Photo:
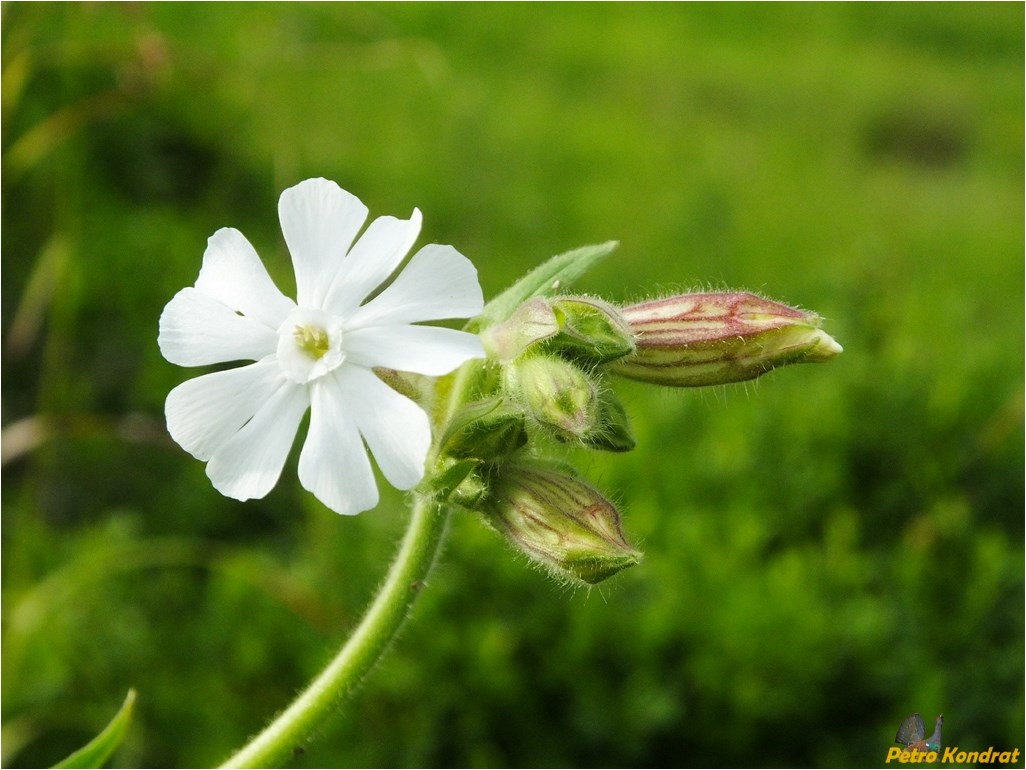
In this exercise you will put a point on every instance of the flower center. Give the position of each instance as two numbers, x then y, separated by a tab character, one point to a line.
312	340
309	344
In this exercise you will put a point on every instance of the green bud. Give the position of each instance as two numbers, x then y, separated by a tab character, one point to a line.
485	429
471	492
560	522
719	337
612	431
591	329
531	323
448	477
557	394
458	482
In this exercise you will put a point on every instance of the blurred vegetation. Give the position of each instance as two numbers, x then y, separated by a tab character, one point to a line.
828	550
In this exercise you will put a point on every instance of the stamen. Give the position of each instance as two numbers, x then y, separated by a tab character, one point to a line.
312	340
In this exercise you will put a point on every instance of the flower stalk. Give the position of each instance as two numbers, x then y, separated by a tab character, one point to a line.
385	616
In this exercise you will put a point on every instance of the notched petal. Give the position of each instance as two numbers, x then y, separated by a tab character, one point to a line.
249	463
372	260
197	329
319	221
431	350
204	412
233	273
438	283
397	431
333	464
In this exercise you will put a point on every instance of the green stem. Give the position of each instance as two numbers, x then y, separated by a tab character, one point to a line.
380	624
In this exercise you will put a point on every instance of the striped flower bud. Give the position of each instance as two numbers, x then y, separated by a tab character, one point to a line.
560	522
719	337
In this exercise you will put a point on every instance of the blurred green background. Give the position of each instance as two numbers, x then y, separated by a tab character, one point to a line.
828	549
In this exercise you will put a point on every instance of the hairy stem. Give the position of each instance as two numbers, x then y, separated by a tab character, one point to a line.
382	621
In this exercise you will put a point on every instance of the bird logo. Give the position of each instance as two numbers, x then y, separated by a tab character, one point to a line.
912	733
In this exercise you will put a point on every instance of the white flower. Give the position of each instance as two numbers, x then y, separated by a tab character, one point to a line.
316	352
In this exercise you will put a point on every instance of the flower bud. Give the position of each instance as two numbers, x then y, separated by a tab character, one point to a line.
458	482
719	337
557	394
591	330
485	429
612	431
470	493
560	522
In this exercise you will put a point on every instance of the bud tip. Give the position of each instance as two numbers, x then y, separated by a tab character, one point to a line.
824	349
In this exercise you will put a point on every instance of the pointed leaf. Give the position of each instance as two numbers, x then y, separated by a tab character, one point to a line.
98	750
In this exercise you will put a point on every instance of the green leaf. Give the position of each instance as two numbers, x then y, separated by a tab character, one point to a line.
546	279
99	749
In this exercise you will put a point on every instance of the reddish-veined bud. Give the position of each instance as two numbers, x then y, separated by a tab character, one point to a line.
719	337
559	522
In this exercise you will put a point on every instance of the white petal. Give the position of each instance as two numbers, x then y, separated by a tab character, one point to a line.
397	431
233	273
374	257
203	413
428	350
196	329
333	464
249	463
438	282
319	220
